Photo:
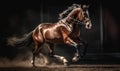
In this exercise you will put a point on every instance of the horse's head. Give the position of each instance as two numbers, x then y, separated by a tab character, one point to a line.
81	14
84	17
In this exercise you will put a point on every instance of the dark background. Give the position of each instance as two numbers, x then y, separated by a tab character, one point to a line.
19	18
111	25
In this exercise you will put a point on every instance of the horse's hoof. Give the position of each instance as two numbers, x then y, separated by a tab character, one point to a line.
76	58
34	65
66	64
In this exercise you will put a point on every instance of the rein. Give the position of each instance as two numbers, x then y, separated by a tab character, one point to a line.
76	20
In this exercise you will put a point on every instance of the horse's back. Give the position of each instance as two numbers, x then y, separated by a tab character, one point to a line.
46	25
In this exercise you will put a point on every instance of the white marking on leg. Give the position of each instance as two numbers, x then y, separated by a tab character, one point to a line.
32	61
76	58
63	59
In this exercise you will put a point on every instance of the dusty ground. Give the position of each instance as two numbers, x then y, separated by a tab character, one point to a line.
63	68
22	62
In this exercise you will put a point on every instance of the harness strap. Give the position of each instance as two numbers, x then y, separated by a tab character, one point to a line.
76	20
69	27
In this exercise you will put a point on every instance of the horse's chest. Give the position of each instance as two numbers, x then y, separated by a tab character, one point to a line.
75	33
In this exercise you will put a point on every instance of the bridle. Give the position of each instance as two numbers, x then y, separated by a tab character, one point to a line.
78	21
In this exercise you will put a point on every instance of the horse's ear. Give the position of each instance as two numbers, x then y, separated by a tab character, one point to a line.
85	6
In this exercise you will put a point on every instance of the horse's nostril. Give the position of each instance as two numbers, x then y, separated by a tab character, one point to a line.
88	25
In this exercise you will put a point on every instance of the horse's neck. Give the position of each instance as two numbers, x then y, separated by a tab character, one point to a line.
74	24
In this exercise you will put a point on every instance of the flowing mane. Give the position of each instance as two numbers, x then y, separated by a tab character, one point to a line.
67	11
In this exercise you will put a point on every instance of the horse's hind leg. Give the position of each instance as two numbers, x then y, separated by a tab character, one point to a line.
62	58
51	49
36	52
51	53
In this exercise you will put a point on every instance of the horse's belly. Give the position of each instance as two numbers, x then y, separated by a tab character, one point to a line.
55	40
53	36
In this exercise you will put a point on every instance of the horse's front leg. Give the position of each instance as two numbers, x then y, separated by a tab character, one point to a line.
73	43
83	44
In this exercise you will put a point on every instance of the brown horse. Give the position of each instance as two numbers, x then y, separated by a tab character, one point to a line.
65	31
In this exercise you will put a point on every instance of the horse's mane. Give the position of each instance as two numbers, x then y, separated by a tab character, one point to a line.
68	10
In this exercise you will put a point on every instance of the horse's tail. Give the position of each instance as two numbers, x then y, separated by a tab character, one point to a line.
26	40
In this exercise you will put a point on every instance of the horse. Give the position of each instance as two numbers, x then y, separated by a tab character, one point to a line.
65	31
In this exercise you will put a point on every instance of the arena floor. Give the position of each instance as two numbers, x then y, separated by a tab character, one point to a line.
64	68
